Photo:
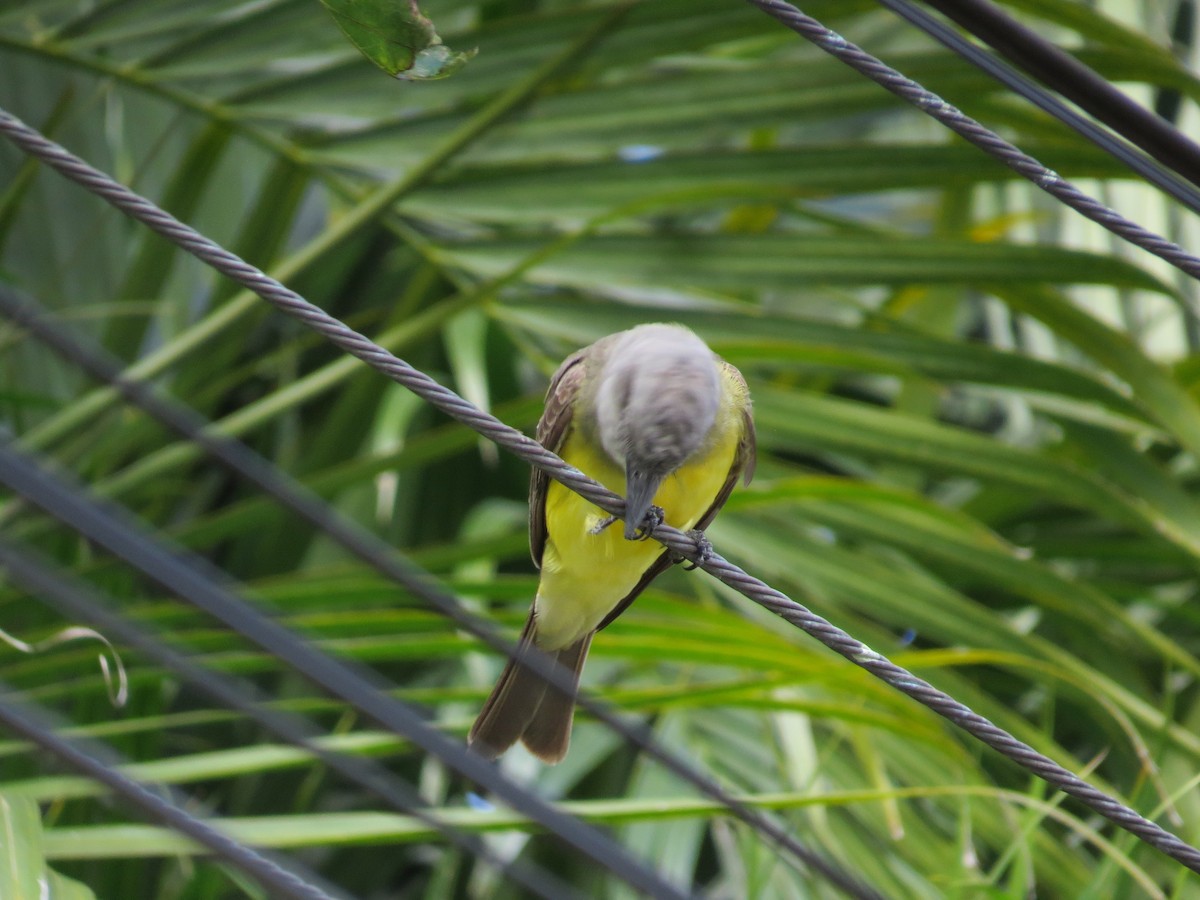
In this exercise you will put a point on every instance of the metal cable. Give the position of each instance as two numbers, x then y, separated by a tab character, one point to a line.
1077	82
24	313
987	140
279	881
197	581
78	600
535	454
1164	178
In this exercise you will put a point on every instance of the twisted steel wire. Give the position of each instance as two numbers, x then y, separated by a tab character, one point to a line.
983	138
534	453
1077	82
25	314
1120	146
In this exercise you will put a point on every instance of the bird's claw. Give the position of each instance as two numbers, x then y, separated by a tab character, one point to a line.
704	550
653	518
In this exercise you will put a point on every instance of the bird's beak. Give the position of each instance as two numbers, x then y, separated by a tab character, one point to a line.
639	494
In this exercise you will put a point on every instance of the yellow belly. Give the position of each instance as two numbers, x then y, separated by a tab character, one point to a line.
585	575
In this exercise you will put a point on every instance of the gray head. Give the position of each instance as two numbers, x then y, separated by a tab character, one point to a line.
657	397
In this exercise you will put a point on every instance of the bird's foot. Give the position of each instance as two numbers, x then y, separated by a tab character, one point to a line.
704	550
652	519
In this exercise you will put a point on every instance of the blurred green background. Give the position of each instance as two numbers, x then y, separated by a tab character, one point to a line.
977	416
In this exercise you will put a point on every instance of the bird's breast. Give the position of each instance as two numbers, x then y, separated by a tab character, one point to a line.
586	574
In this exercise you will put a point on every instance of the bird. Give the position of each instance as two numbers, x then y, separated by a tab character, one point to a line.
654	415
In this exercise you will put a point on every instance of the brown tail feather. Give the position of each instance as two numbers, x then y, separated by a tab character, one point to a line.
549	734
523	707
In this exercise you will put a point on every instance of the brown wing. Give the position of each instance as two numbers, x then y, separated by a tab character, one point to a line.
552	431
744	460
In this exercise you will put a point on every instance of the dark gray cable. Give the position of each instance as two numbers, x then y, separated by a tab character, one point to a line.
78	600
1077	82
24	720
198	582
24	313
985	139
1164	179
535	454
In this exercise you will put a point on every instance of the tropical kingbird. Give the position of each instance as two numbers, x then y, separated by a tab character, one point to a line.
654	415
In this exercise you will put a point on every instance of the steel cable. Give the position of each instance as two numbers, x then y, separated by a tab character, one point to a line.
1160	175
532	452
195	580
23	313
75	599
288	882
1077	82
984	138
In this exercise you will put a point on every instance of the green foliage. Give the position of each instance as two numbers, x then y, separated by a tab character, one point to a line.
978	423
23	871
398	39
